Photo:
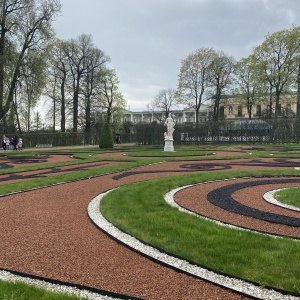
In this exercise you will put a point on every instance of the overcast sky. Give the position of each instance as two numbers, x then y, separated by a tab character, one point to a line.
147	39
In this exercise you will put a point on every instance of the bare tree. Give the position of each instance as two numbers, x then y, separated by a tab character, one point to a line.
96	61
84	61
58	82
220	78
164	100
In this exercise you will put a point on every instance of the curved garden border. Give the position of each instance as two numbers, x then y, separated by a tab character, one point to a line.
237	285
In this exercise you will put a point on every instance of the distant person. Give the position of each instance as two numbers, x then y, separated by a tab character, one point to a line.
14	142
20	144
7	141
4	142
118	139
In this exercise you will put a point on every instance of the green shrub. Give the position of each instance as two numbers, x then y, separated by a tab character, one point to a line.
106	137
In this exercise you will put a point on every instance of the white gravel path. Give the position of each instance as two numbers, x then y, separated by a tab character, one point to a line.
269	197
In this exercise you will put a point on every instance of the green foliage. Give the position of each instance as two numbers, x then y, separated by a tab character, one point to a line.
150	134
112	99
19	38
106	137
276	62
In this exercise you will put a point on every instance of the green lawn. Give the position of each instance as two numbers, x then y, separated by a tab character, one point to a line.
140	210
289	196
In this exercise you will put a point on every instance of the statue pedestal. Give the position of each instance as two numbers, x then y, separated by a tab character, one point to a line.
169	145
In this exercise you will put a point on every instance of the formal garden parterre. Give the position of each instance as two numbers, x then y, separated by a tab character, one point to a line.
46	232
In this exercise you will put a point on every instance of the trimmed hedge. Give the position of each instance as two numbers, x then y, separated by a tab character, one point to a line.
106	138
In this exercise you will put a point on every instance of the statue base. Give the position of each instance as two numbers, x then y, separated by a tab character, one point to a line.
169	146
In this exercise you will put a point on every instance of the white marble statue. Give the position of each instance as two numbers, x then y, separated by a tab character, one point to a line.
170	127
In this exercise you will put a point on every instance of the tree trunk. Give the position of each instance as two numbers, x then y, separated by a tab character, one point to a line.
63	105
108	115
277	103
217	106
54	117
298	94
75	105
197	115
88	115
16	112
250	111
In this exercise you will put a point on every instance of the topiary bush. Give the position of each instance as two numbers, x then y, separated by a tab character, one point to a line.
106	137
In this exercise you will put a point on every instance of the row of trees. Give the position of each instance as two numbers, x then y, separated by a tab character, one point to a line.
71	76
80	84
272	69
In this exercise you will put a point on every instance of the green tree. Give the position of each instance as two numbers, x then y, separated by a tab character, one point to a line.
106	137
37	123
24	26
249	87
194	78
33	81
109	96
277	61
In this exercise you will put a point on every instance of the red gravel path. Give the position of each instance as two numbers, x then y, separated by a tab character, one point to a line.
47	232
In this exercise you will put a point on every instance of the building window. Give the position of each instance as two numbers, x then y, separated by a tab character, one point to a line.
240	111
258	110
222	112
230	110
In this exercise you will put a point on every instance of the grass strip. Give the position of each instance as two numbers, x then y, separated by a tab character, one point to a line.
22	291
78	159
178	152
140	210
51	180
